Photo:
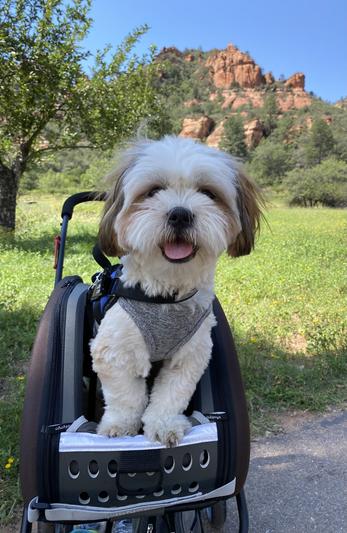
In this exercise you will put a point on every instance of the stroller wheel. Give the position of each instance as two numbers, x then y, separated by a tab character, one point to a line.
217	514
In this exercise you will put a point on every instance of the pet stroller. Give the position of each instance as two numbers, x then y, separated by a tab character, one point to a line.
72	476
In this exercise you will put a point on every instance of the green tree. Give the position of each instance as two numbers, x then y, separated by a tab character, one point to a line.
233	140
269	114
320	143
285	130
339	130
270	162
325	183
47	100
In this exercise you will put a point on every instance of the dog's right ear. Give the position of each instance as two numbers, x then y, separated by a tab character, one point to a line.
107	237
250	202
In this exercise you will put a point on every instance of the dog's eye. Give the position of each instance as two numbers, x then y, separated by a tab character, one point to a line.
153	191
208	193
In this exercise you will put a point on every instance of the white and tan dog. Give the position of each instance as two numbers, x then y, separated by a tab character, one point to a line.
176	205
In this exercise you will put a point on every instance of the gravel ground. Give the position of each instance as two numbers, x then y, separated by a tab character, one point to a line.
297	480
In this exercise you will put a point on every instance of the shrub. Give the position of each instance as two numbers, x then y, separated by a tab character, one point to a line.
324	184
270	162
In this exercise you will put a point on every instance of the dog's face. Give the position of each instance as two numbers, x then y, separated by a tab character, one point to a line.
177	201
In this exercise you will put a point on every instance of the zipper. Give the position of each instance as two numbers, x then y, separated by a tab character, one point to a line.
221	419
50	441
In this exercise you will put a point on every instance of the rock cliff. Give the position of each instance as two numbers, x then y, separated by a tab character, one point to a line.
230	66
227	82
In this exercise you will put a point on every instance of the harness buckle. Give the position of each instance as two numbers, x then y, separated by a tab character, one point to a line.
99	286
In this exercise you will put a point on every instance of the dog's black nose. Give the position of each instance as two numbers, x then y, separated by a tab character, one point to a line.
180	217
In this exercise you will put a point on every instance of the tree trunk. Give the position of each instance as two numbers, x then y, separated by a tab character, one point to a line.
8	197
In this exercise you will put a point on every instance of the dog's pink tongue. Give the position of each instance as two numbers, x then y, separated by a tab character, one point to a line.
178	250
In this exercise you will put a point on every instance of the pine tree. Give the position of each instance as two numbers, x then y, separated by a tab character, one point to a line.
269	114
233	140
320	144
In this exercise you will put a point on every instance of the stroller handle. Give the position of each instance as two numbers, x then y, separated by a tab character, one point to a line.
80	198
66	215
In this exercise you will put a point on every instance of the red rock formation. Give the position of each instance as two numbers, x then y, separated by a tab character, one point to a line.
197	128
253	132
169	51
229	99
232	66
189	58
269	79
296	81
191	103
295	99
234	99
215	137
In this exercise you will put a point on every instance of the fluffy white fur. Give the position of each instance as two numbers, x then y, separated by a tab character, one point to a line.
155	177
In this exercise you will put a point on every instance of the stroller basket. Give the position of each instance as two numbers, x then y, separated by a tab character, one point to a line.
71	474
102	477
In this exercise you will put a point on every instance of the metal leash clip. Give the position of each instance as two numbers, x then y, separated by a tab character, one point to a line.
98	288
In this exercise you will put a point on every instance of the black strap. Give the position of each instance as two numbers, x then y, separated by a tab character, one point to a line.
112	287
136	293
139	462
100	258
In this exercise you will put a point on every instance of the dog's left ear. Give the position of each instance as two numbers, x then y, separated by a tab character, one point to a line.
250	202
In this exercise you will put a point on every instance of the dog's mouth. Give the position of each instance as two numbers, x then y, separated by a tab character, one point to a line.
179	251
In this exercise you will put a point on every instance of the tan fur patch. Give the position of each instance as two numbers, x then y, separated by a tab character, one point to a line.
250	201
107	235
108	240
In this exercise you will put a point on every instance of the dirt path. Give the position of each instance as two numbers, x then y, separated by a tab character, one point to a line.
298	479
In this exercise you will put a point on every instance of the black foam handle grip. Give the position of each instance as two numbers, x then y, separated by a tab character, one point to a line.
79	198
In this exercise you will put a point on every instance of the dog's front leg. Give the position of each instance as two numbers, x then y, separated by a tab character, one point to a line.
163	419
121	361
125	399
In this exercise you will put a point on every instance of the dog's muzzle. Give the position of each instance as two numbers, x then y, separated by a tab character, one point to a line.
179	249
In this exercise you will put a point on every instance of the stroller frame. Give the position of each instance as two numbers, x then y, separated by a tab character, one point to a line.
147	521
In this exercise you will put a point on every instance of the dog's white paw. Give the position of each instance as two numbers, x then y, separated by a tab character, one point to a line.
119	426
169	431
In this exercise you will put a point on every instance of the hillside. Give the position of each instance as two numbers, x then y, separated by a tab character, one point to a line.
291	140
203	89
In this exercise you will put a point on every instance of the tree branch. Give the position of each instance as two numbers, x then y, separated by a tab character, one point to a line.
62	147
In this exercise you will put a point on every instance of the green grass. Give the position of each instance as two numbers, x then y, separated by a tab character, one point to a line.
286	303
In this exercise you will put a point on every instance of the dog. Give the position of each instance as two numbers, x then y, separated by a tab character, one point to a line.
176	205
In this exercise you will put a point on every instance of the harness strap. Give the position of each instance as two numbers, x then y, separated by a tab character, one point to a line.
136	293
108	287
100	258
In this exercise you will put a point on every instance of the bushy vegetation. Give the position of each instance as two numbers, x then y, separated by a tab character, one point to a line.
69	171
269	162
294	145
233	140
288	158
305	156
323	184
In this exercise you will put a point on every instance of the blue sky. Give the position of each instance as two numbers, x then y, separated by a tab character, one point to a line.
284	36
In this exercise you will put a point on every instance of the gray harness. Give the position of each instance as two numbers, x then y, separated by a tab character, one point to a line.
165	329
165	322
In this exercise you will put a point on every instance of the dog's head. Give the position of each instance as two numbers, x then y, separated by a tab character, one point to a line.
177	200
